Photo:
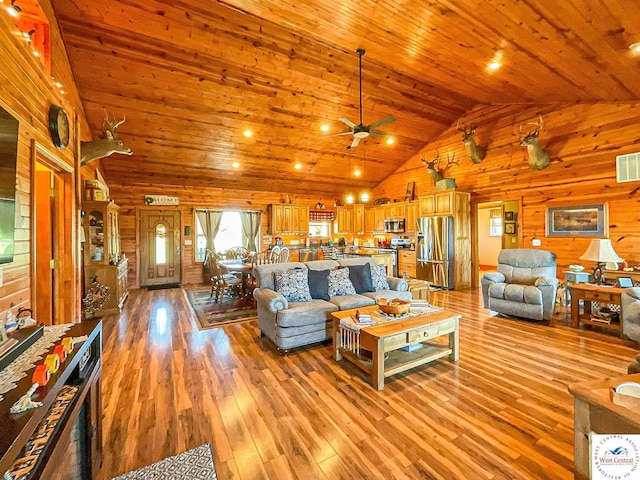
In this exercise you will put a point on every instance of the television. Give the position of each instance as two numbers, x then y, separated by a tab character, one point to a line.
8	161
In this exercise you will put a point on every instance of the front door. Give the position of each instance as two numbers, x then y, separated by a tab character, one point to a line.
159	248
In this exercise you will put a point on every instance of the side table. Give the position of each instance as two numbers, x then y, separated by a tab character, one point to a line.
571	278
595	293
419	289
595	412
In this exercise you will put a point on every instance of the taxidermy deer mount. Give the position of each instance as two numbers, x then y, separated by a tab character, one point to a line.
436	173
105	146
475	153
538	156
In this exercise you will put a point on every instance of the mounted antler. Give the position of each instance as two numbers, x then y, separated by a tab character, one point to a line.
538	156
475	153
105	146
436	173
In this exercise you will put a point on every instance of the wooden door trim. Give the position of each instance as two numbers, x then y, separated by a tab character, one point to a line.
68	310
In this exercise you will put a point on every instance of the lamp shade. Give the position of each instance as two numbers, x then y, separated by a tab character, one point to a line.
600	250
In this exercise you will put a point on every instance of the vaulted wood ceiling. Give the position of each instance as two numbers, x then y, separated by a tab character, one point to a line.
192	75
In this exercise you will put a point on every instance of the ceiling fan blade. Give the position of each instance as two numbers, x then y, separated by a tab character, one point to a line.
379	133
382	122
338	134
347	121
356	141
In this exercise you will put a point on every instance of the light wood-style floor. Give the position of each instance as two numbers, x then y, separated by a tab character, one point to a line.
502	412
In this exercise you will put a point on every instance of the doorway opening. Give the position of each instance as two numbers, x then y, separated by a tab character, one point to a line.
54	286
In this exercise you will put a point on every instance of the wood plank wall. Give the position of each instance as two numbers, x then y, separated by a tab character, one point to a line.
26	91
131	201
583	141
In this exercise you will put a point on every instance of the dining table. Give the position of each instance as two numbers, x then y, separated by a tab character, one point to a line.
245	269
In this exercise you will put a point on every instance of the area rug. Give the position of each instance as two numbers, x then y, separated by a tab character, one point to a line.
213	315
194	464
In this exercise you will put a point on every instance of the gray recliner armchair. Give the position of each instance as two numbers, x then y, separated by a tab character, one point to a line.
525	284
631	313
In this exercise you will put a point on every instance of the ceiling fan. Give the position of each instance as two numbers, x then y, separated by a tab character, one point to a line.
361	130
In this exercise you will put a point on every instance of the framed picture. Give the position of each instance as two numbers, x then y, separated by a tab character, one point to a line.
510	228
509	216
580	221
624	282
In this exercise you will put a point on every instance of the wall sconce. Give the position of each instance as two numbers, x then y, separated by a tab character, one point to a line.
13	9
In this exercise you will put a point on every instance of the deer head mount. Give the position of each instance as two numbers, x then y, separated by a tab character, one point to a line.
436	173
475	153
106	145
538	156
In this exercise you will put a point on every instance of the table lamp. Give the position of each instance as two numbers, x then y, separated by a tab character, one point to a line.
600	251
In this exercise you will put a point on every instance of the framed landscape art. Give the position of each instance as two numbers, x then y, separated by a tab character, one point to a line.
581	221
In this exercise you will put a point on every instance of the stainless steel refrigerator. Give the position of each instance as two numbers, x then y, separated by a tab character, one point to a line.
434	251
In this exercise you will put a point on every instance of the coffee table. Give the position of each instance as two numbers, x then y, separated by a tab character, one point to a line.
388	339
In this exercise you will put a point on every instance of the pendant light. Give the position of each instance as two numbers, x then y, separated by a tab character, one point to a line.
349	198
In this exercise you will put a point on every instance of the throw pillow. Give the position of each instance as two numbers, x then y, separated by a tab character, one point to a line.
293	285
360	276
339	283
319	284
379	277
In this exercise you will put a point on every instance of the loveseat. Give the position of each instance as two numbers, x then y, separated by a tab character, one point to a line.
524	286
631	313
290	324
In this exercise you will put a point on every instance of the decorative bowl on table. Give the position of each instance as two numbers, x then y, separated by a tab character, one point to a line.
576	268
395	306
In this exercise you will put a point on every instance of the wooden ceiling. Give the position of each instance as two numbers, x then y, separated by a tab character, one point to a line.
192	75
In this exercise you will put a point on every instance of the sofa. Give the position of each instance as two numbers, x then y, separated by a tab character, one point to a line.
289	324
525	284
630	300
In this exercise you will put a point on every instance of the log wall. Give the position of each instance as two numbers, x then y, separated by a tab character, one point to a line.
583	141
131	201
27	90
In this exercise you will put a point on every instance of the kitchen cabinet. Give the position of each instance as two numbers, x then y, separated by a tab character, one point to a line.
456	204
358	219
344	219
407	263
411	217
289	219
102	258
395	210
380	215
369	219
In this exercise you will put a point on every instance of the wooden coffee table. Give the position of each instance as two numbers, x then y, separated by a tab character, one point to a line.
390	337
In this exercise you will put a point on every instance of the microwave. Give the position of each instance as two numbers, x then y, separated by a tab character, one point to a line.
394	225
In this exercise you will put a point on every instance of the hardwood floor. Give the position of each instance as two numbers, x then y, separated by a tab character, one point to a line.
502	412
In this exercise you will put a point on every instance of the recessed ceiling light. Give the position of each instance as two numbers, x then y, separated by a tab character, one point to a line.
58	84
494	66
390	141
635	47
247	133
298	166
357	172
235	164
324	128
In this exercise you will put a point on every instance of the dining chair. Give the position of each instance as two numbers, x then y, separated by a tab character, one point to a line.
283	257
274	254
237	253
221	283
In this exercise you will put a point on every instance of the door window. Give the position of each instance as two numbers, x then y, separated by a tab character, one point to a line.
161	244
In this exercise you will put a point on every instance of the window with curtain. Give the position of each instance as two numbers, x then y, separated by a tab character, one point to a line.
229	235
495	222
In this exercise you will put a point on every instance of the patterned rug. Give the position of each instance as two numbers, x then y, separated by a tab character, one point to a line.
194	464
213	315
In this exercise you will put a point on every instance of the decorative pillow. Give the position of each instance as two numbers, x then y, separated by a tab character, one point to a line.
293	285
319	284
339	283
360	276
379	278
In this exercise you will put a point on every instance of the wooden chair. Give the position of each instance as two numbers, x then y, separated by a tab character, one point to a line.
237	253
221	283
283	256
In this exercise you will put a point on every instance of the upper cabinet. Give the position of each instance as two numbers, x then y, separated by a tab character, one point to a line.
358	219
411	217
102	233
344	220
439	203
289	219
